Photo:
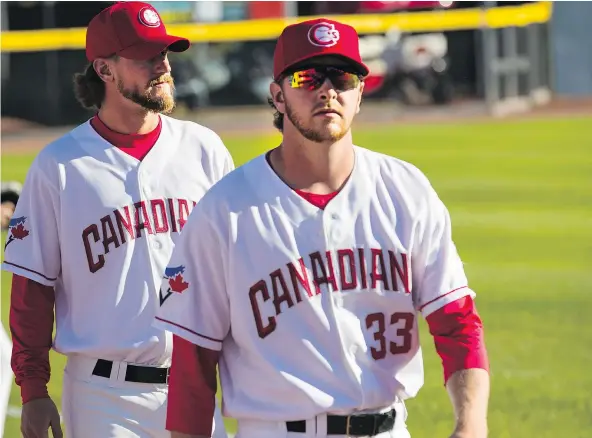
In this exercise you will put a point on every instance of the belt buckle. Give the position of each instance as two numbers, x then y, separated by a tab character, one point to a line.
348	426
168	373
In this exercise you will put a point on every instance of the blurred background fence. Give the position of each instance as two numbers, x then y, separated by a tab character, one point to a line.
507	56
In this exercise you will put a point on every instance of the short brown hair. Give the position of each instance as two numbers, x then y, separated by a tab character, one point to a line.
89	88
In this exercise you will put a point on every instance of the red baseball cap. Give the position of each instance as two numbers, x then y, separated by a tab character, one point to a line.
131	30
318	37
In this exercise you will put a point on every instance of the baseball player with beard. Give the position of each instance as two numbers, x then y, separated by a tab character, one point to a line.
304	273
99	214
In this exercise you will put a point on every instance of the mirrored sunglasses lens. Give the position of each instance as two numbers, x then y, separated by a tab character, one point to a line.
343	80
313	78
308	79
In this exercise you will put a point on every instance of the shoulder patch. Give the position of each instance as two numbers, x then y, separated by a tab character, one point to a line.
176	283
17	229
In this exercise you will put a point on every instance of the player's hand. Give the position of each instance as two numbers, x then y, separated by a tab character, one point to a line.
38	416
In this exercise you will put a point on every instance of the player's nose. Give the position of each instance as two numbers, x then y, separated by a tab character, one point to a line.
162	65
327	91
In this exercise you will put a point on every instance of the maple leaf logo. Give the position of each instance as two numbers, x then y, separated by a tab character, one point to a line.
16	229
176	283
19	232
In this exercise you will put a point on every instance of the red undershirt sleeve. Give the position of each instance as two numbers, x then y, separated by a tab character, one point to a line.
192	388
458	336
31	326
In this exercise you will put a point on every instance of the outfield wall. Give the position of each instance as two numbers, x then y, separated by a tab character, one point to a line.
229	63
572	34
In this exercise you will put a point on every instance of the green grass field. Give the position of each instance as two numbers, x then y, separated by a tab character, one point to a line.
520	197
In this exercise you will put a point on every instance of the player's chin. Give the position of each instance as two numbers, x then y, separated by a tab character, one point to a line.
161	94
162	105
334	129
328	136
167	106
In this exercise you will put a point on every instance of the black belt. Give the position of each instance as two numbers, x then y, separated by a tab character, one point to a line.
352	425
133	373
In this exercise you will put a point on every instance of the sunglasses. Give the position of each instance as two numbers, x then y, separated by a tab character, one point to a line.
313	78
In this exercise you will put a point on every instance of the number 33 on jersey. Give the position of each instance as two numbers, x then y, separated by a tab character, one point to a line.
316	307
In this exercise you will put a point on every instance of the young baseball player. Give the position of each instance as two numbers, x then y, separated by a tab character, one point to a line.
99	214
303	274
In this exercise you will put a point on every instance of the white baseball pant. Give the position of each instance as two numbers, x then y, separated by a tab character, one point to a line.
98	407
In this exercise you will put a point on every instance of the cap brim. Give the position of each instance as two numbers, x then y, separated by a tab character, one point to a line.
149	49
359	66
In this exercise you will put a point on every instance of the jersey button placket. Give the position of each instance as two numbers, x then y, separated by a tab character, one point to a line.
336	230
146	196
331	226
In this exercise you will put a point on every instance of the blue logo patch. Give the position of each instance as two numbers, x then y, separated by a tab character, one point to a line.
176	283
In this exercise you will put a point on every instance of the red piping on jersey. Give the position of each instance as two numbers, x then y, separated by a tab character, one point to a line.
441	296
136	145
30	270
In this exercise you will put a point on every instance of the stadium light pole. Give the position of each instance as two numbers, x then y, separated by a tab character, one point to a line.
51	64
489	57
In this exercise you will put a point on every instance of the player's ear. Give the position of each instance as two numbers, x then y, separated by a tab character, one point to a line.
360	97
103	69
277	96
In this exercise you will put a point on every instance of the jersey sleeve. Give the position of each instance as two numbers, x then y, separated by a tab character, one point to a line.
32	246
438	269
193	299
222	161
228	162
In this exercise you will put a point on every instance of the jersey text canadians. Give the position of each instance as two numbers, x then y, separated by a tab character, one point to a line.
155	216
360	268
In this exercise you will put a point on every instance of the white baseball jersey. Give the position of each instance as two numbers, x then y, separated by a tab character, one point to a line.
99	226
314	310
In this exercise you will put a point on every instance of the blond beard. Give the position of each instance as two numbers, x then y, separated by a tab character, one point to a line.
164	104
315	135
